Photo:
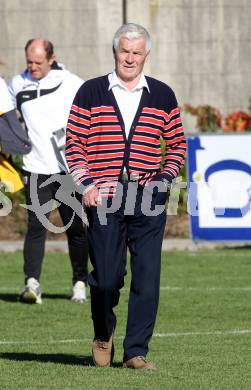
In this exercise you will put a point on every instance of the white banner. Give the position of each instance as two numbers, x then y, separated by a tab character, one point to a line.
220	186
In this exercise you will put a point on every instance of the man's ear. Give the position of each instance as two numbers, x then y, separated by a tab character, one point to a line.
147	56
114	52
52	59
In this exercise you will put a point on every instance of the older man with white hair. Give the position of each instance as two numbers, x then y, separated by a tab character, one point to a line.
113	151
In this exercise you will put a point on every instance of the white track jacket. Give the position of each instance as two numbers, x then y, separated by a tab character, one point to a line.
44	105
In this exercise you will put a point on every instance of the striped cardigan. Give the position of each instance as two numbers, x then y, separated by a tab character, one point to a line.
97	149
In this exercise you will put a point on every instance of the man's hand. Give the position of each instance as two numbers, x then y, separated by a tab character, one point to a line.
92	197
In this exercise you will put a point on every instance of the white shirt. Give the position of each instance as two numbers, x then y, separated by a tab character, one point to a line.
128	101
5	98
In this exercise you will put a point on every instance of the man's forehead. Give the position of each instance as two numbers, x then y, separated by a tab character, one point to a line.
125	41
36	50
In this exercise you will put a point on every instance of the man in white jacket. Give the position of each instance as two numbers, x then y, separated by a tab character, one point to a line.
43	94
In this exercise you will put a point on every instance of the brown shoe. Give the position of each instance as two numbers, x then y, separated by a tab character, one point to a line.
102	352
139	362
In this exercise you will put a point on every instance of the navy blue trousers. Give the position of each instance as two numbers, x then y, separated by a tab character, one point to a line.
108	243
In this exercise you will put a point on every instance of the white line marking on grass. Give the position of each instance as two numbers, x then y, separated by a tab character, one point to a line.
205	288
214	333
59	290
33	342
157	335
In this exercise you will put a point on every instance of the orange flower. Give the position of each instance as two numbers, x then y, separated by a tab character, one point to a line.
238	121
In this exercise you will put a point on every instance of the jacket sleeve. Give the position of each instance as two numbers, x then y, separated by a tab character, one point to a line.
6	101
12	93
77	131
175	142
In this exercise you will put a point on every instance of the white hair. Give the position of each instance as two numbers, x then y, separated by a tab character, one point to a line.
132	31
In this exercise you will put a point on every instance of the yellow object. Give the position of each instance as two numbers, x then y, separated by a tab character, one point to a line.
197	176
9	176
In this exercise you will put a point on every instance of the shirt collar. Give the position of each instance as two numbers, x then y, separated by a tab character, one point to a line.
114	82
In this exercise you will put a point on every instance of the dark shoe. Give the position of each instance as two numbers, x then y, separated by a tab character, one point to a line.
102	352
139	362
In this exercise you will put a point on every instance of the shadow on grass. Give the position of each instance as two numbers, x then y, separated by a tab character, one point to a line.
56	296
14	298
48	358
57	358
9	298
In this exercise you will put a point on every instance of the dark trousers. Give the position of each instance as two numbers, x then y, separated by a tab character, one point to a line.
108	243
34	244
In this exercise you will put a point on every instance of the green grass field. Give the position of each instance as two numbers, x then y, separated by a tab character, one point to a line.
202	337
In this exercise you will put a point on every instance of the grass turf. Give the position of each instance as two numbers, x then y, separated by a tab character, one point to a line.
202	336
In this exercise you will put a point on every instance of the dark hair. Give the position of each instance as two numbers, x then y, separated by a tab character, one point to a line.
48	47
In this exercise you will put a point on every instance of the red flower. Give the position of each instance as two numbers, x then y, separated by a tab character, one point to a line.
238	121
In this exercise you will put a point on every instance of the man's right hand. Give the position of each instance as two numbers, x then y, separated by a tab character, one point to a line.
92	197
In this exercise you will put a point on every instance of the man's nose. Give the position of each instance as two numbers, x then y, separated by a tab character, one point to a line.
32	66
130	57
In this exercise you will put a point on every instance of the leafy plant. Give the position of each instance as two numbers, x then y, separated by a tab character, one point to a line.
208	118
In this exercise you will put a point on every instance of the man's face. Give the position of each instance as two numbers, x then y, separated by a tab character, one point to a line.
130	58
37	63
